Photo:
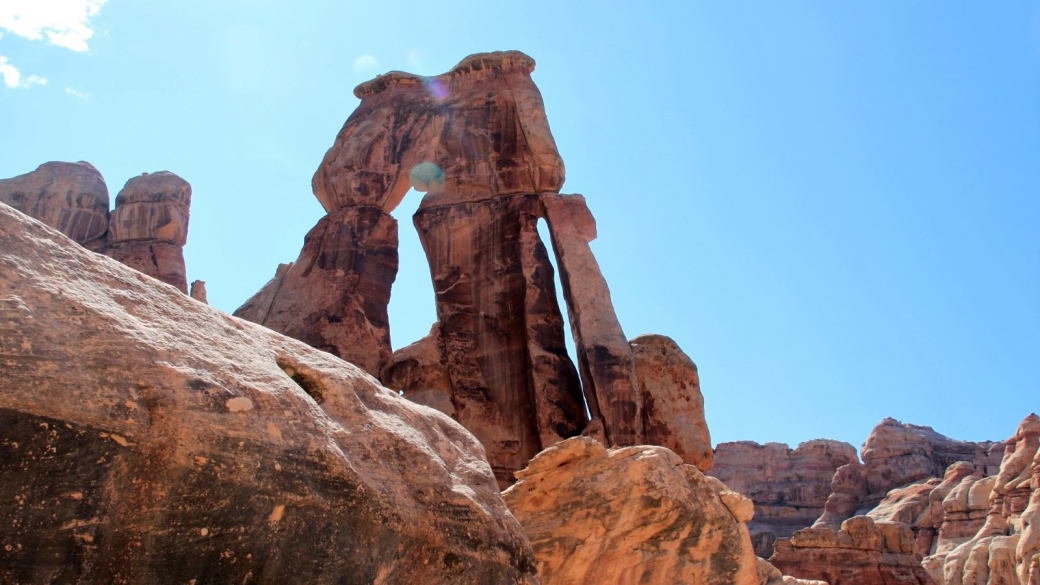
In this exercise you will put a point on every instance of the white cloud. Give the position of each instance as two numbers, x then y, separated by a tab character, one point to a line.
13	78
77	93
65	23
366	65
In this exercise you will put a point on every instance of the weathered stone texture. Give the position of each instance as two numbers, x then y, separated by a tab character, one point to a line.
335	296
862	552
482	124
70	197
670	393
148	438
790	487
630	515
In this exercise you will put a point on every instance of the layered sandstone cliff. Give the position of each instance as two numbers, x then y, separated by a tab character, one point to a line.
148	438
862	552
788	486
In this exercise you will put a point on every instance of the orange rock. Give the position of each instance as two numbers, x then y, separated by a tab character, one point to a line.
629	515
481	127
790	487
670	392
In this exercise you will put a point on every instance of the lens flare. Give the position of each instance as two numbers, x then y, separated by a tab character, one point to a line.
436	88
426	176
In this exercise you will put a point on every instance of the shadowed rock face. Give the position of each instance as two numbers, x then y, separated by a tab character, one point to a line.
148	438
70	197
335	296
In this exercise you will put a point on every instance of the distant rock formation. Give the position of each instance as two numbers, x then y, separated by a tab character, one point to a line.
476	140
146	231
862	552
70	197
148	228
1006	548
148	438
789	487
631	515
198	291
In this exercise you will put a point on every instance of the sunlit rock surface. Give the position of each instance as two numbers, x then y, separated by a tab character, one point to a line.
147	438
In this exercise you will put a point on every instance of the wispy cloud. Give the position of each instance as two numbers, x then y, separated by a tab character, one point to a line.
65	23
77	93
13	78
366	65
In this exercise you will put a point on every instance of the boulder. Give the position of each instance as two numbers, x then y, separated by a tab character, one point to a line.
630	515
148	438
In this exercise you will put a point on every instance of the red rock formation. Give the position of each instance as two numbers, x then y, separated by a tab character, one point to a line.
863	552
476	139
198	291
630	515
148	438
419	371
607	367
789	486
335	296
1006	549
848	488
70	197
670	392
148	228
481	126
896	454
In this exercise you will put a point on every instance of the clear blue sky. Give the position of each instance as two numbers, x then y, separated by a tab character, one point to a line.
833	207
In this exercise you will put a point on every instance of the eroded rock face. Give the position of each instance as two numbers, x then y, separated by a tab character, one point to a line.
420	372
670	392
335	296
896	454
70	197
630	515
148	228
482	125
848	488
500	327
1006	549
477	141
148	438
790	487
862	552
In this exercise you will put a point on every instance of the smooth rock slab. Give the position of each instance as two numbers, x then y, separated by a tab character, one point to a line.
148	438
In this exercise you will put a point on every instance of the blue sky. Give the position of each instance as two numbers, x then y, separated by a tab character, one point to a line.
832	207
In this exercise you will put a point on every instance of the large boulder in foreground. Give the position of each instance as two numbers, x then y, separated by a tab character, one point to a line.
630	515
148	438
